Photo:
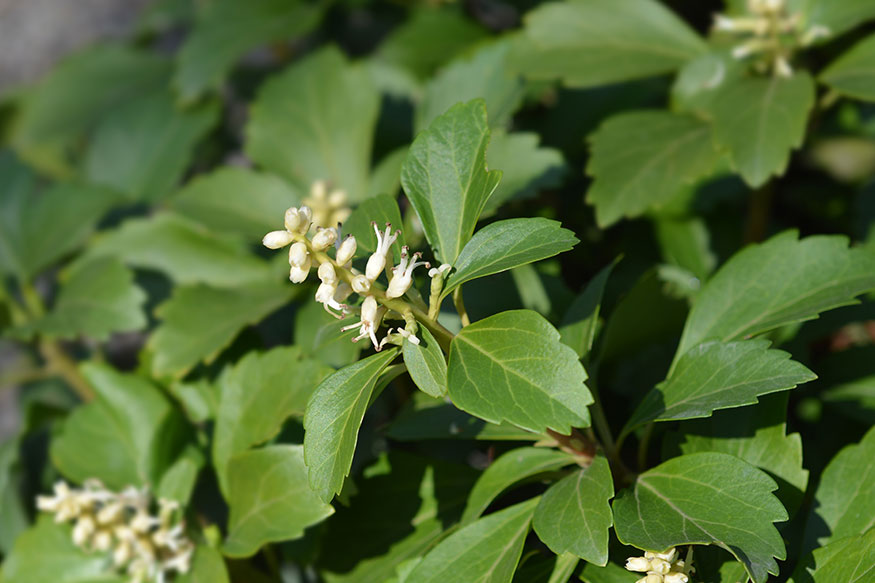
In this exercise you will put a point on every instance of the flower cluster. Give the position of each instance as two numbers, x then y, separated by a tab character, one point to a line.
329	207
147	547
663	567
339	279
772	34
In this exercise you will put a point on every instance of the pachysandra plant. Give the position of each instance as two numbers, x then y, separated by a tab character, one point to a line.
454	356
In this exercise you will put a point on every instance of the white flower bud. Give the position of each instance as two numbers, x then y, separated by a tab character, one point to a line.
361	284
83	530
293	220
102	540
670	555
277	239
638	564
298	273
110	513
122	554
298	254
653	578
306	215
327	274
660	566
675	578
324	238
375	266
346	251
337	198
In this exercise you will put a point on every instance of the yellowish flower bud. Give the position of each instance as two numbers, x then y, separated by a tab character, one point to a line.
638	564
327	274
346	251
277	239
324	238
660	566
361	284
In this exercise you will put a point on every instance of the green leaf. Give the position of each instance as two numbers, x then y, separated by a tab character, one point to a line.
512	467
46	554
486	551
759	121
270	499
506	244
426	365
319	335
685	242
483	74
781	281
610	573
852	73
185	251
142	148
72	97
719	375
564	568
512	367
258	394
178	481
574	516
207	566
226	30
199	321
845	498
386	175
98	298
641	160
315	121
581	321
705	498
586	44
446	180
526	167
381	209
334	415
847	560
127	436
837	16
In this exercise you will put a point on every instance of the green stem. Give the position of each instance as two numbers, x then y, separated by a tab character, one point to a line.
643	445
460	306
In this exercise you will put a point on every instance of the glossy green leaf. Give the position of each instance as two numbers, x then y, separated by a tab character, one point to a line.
185	251
512	367
512	467
199	321
142	148
589	43
581	321
207	566
574	516
705	498
719	375
127	436
482	74
610	573
178	481
506	244
257	395
380	209
844	504
73	96
225	30
847	560
446	180
685	242
426	365
837	16
759	121
641	160
852	73
315	121
98	298
334	415
781	281
485	551
564	568
46	554
270	499
526	167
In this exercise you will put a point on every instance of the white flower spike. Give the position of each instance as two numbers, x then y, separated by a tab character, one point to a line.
402	274
377	261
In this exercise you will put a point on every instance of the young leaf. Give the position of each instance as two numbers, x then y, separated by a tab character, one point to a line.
270	499
426	365
581	320
142	148
705	498
482	74
719	375
847	560
207	566
46	554
506	244
315	121
445	177
759	120
512	367
525	166
127	436
236	200
636	174
512	467
98	298
199	321
852	73
574	515
781	281
586	44
257	395
334	415
227	29
486	551
845	498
